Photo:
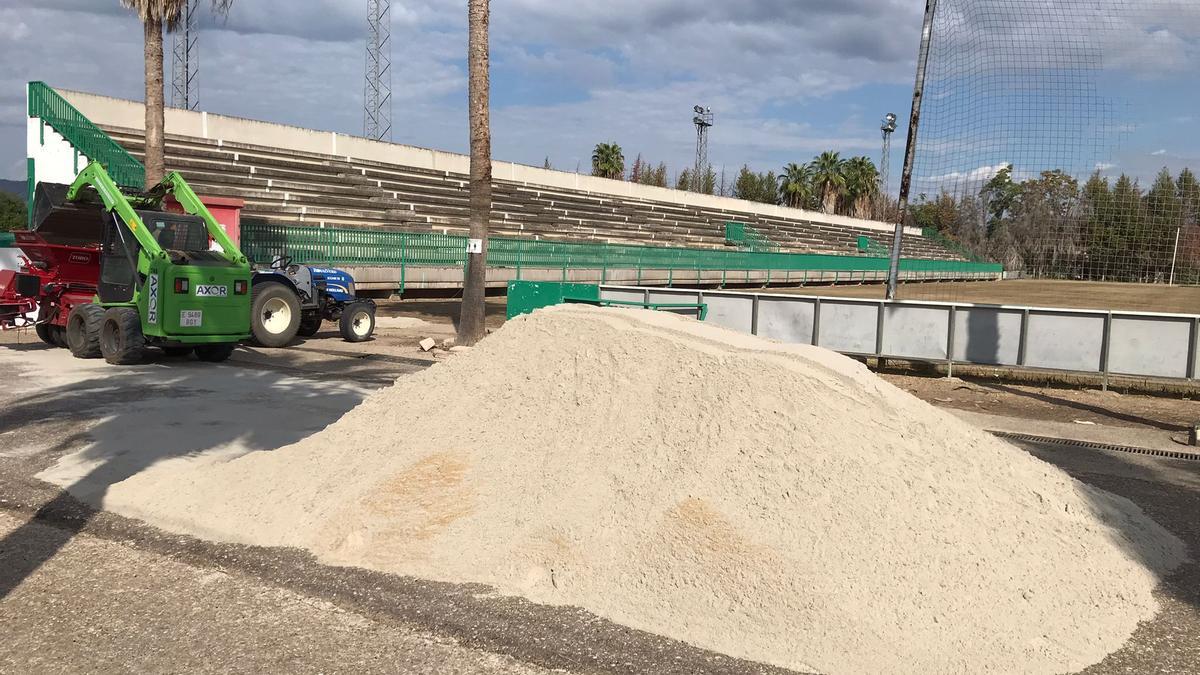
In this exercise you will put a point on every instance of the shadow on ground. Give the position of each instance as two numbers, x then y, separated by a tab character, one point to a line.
128	419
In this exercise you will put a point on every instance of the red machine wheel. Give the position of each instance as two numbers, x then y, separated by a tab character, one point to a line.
44	332
83	331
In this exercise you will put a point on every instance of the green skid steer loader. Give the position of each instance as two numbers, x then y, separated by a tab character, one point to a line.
159	283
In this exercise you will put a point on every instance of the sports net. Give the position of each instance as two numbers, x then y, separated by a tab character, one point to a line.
1057	135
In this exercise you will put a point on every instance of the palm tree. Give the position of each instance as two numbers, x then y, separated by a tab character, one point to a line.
829	179
471	316
796	186
154	15
608	161
862	185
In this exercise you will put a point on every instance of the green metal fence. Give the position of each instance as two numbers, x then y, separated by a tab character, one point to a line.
262	242
91	141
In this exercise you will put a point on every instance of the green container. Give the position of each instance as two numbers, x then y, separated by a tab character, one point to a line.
526	296
7	240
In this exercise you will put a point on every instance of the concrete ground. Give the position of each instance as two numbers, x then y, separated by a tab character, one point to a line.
87	590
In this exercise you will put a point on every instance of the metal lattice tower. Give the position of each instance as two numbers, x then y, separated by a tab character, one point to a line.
185	63
377	88
703	121
885	158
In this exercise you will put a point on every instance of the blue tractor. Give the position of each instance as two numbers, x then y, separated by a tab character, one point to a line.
290	300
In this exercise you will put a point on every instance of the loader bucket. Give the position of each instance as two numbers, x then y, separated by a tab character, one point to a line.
57	221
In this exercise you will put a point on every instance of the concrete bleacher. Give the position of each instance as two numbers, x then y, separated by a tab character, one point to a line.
296	186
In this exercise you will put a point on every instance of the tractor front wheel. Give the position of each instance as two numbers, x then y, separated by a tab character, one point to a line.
83	331
358	321
214	353
121	339
274	314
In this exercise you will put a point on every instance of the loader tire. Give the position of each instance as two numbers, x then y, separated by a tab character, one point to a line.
177	352
83	331
121	339
274	314
214	353
357	322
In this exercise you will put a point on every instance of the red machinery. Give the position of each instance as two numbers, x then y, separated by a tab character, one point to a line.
60	266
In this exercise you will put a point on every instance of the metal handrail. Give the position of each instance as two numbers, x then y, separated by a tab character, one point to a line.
87	138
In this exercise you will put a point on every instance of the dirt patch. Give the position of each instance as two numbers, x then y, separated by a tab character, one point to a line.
1053	404
1030	292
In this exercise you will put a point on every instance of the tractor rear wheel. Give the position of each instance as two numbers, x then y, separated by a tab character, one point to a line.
214	353
58	336
274	314
310	323
121	339
357	322
83	331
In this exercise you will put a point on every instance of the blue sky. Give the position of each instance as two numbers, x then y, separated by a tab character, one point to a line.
785	78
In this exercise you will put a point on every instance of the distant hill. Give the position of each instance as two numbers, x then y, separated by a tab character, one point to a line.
14	187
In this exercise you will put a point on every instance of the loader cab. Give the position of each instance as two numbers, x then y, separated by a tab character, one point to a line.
184	238
119	251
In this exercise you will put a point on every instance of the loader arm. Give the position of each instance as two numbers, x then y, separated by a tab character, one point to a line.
178	187
114	200
96	177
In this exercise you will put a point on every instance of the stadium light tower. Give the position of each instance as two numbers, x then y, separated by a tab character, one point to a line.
185	61
703	121
885	160
377	88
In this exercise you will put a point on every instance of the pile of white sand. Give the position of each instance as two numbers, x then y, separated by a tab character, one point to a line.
778	503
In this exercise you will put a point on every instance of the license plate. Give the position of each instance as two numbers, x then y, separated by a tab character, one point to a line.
211	291
190	318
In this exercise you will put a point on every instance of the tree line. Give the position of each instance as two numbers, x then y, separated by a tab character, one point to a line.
828	183
12	213
1052	226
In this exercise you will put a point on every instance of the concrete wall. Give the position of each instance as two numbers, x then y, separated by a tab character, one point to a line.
54	159
1087	341
130	114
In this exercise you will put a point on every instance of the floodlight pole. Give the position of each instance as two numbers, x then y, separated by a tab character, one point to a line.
703	121
185	61
911	148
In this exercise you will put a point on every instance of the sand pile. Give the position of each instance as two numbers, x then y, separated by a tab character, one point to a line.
778	503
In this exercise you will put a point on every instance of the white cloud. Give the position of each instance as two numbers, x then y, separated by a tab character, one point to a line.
979	174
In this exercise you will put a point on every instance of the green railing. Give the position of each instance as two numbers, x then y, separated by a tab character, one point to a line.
869	246
747	238
88	139
262	242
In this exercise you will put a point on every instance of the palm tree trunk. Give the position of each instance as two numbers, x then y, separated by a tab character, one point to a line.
471	318
154	101
829	204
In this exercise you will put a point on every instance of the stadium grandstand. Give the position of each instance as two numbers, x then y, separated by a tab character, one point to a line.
298	183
